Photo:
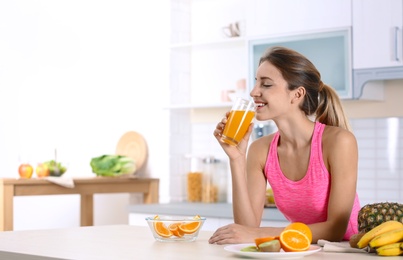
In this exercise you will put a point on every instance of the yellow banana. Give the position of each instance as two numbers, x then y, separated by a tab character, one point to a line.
394	249
378	230
387	238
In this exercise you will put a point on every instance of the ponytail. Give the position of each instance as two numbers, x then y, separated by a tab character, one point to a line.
330	110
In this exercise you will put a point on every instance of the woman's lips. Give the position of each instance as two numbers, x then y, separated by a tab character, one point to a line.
259	105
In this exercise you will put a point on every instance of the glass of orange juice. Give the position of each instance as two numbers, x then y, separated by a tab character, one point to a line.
239	119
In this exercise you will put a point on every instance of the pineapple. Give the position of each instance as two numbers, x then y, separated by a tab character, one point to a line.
371	215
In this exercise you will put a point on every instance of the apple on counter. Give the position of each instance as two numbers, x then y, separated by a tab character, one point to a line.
42	170
25	170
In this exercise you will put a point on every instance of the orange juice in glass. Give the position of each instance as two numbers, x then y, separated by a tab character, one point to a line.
239	119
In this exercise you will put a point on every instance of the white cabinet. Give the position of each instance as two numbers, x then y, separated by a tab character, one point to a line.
377	33
377	45
271	17
329	50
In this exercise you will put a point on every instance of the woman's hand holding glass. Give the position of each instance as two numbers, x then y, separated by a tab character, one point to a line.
232	151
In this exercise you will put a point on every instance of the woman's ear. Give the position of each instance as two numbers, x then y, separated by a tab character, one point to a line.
299	94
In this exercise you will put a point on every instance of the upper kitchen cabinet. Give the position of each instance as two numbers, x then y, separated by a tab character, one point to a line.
271	17
329	50
377	44
377	34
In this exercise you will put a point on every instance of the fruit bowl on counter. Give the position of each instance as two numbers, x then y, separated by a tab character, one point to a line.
175	228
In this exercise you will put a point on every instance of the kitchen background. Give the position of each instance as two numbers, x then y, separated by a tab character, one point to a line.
77	75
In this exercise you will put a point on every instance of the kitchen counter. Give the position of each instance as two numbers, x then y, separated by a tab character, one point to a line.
121	242
208	210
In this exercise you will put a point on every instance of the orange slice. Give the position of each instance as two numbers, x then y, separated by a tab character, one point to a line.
301	227
174	228
260	240
294	241
189	228
161	229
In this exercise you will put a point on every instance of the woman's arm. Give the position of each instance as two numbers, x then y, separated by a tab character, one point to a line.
249	192
340	154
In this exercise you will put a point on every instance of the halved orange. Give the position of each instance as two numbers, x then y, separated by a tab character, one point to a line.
174	228
304	228
260	240
189	228
294	241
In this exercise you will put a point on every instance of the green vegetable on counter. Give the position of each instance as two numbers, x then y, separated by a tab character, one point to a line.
112	165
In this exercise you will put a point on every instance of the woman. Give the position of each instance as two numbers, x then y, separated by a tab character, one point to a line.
310	165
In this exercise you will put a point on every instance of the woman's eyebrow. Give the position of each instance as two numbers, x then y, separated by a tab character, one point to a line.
265	77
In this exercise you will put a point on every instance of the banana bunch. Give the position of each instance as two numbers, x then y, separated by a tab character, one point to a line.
386	239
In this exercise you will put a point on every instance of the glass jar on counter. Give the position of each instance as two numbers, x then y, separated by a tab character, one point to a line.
207	180
194	180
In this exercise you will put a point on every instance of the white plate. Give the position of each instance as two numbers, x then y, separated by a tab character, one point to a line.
271	255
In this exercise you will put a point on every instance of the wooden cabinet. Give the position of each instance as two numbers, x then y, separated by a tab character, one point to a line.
271	17
377	33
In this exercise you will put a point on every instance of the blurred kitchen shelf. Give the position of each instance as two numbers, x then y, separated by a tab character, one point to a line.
200	106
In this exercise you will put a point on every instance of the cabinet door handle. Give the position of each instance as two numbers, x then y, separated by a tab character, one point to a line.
397	43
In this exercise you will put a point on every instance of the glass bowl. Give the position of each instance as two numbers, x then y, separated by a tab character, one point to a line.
175	228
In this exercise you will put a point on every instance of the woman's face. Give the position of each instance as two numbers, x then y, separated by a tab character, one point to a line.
270	93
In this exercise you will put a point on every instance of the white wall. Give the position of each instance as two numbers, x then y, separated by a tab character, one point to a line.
76	75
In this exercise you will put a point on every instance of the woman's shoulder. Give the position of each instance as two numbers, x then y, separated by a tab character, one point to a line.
262	144
259	148
263	141
336	136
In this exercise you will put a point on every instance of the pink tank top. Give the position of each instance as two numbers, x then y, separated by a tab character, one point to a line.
305	200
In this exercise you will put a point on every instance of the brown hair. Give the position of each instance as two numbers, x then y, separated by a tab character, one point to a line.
320	99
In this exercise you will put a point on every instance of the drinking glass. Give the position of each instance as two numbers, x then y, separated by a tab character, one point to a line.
240	117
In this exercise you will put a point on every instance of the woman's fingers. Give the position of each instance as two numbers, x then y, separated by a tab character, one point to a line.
249	132
220	127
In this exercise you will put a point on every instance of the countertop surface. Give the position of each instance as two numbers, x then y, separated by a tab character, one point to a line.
122	242
212	210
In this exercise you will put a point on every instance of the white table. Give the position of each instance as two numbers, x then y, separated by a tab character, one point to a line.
121	242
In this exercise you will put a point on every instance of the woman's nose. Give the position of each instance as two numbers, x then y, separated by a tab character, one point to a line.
254	92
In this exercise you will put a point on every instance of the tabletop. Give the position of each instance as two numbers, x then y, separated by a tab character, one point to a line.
121	242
